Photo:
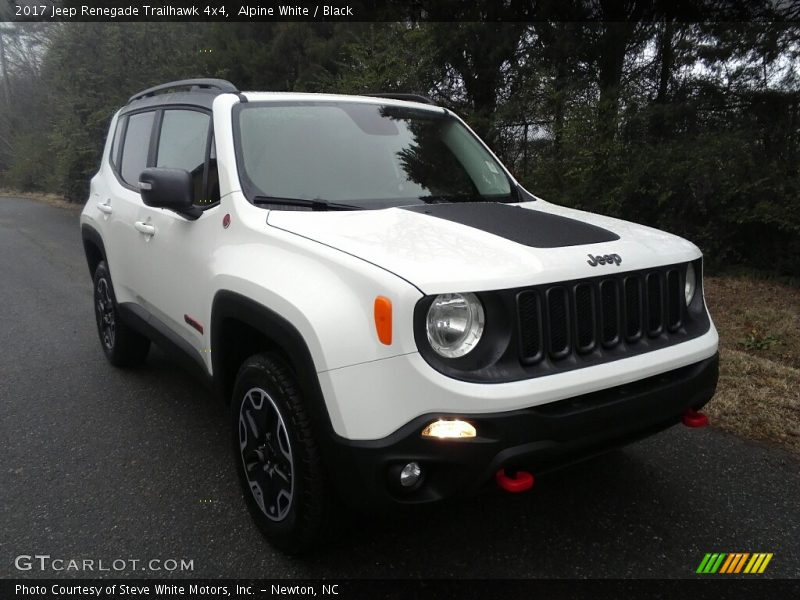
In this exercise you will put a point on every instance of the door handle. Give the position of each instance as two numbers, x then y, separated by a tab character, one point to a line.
145	228
104	207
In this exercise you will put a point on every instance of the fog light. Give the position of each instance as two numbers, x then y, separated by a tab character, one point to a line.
410	474
455	428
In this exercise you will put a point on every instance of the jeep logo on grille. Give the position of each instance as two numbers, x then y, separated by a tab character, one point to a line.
604	260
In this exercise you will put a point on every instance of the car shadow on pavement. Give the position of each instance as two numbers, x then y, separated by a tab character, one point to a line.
645	510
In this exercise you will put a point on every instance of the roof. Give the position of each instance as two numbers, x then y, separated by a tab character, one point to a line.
384	99
191	92
202	92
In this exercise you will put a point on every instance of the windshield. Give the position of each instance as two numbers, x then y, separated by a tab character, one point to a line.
364	155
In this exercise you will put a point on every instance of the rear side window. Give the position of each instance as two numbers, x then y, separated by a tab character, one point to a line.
117	139
136	147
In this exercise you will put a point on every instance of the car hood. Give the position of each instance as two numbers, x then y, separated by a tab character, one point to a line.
487	246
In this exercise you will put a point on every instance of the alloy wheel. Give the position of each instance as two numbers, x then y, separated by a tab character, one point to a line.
266	454
105	313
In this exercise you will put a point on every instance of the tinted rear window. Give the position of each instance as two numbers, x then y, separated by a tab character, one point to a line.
117	139
136	147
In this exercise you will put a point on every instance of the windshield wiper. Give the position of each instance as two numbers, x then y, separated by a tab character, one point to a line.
462	199
443	199
317	204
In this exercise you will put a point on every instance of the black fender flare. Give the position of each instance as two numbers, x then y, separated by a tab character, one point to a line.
89	235
280	333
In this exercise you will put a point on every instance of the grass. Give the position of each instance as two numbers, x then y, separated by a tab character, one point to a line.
759	389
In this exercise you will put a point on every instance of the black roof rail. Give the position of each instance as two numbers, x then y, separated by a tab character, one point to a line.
399	96
206	84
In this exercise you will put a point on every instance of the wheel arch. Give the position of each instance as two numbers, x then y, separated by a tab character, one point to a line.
93	247
241	327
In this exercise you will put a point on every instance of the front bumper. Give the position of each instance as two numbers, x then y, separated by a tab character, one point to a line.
537	439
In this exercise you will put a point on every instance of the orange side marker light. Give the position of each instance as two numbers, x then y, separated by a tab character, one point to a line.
383	319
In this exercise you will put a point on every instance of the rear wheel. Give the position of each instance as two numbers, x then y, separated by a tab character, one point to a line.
122	345
277	457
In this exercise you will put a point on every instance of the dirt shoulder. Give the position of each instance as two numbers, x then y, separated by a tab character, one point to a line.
759	389
50	199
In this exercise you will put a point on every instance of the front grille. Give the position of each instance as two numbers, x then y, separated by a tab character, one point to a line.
609	311
633	308
585	333
593	318
558	322
531	314
540	330
655	302
673	308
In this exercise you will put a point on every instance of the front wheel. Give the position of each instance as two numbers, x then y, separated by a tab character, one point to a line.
277	458
123	346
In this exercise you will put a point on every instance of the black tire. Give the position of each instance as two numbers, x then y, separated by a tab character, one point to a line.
276	455
123	346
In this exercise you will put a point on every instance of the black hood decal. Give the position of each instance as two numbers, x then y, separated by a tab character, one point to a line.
532	228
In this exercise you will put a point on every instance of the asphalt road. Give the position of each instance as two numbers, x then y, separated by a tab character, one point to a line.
106	464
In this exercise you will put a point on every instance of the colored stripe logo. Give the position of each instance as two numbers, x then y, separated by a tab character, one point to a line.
734	562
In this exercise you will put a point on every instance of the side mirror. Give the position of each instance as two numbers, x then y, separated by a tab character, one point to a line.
169	188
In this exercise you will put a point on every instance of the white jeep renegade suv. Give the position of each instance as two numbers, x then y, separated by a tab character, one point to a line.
392	317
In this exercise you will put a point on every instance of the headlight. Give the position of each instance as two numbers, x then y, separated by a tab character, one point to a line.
691	284
454	324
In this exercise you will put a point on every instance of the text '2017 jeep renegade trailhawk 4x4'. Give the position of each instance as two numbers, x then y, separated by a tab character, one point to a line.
392	317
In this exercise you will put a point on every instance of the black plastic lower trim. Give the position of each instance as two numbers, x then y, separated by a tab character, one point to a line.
539	438
180	350
230	306
92	242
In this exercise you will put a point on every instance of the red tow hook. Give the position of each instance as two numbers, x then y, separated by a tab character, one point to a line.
694	418
521	482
